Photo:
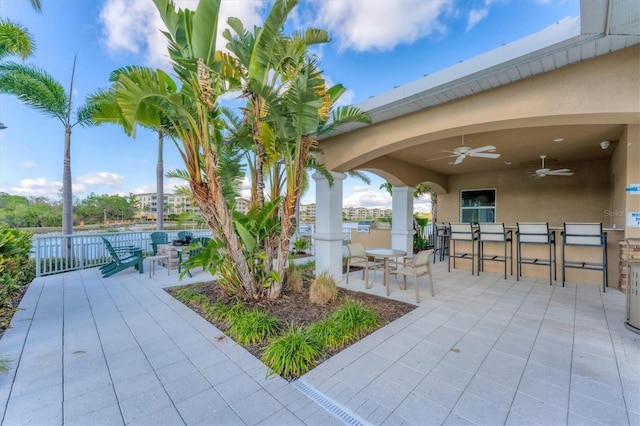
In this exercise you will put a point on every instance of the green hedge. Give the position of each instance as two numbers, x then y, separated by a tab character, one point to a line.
17	269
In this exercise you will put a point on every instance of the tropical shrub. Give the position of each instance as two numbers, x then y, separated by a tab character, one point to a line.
329	333
301	244
292	353
356	318
323	289
253	326
17	269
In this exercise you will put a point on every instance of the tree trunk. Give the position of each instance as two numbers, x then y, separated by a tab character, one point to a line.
67	192
288	213
216	213
160	184
434	206
67	198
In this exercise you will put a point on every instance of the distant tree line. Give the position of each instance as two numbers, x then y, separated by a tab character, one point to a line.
17	211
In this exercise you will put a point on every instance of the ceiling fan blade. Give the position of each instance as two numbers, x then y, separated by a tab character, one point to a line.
561	172
440	158
459	159
484	155
482	149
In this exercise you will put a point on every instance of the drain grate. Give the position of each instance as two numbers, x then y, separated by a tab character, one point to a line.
341	413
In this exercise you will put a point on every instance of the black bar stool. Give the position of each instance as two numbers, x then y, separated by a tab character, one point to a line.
462	232
495	233
536	233
585	235
440	240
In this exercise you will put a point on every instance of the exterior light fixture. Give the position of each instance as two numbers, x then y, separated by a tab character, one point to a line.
605	144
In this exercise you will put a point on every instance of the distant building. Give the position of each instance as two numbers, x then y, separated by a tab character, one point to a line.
173	204
242	205
362	213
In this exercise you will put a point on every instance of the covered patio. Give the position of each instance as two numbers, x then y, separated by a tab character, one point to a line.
568	92
120	350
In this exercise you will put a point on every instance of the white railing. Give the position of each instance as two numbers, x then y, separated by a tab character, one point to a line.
86	250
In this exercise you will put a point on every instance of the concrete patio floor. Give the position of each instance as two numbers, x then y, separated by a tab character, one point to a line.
486	351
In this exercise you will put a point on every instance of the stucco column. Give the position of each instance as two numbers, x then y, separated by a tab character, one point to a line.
402	219
327	239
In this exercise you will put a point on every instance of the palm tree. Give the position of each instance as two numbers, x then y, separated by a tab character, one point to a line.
106	110
288	107
37	89
196	120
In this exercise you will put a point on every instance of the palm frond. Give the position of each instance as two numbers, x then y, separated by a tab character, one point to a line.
267	38
35	88
343	115
15	39
84	115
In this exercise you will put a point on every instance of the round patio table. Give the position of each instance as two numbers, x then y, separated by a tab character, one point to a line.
385	254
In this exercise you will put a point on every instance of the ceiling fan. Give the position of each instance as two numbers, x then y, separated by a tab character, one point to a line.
462	152
542	172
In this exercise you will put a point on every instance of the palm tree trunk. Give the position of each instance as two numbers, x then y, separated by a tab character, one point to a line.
67	194
67	199
218	217
160	184
289	213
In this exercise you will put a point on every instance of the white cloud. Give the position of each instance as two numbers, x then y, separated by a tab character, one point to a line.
28	164
245	191
366	196
144	189
170	185
38	187
134	26
422	205
101	178
380	25
475	16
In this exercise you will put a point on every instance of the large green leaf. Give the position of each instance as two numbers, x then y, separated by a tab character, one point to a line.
267	37
247	238
205	29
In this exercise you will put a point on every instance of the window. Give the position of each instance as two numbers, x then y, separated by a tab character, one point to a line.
478	205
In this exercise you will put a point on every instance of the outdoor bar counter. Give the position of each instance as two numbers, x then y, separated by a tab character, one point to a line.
585	254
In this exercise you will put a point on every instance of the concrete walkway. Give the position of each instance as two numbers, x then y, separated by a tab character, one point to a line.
487	351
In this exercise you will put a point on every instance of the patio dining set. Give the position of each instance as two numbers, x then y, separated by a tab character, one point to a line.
486	242
171	255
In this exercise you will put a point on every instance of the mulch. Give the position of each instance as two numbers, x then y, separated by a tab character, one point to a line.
296	309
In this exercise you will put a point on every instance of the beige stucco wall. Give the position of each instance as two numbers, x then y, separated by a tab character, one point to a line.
619	183
583	197
376	238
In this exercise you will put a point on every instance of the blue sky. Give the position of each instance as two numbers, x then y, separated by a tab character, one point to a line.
376	46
